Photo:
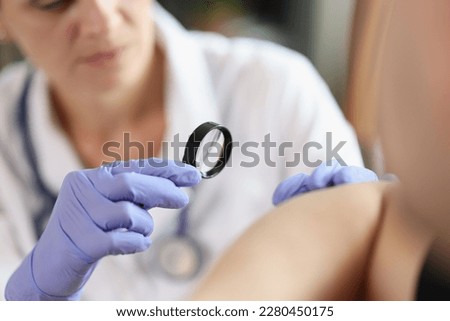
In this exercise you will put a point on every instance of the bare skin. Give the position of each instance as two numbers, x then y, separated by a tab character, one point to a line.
401	246
324	246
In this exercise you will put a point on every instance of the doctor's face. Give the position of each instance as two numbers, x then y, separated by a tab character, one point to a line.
82	44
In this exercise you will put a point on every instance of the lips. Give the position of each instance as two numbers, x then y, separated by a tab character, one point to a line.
103	57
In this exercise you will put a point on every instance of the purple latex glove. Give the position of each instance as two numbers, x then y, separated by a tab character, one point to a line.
98	212
322	177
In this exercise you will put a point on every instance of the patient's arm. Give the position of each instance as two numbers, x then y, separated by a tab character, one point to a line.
400	248
314	247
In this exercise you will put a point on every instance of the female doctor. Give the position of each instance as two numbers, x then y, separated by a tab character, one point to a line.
124	71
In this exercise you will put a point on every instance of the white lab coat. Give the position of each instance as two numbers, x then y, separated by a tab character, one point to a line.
252	87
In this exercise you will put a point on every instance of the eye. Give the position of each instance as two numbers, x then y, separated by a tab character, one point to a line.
50	5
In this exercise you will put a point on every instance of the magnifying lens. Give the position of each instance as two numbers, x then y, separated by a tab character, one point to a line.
208	149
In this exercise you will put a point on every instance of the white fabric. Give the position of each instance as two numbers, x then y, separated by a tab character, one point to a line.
252	87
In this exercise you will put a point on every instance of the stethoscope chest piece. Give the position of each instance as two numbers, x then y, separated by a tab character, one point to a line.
179	257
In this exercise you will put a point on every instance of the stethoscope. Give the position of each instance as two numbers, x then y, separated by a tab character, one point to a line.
179	255
48	198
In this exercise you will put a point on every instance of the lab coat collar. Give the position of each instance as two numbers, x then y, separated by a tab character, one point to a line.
189	101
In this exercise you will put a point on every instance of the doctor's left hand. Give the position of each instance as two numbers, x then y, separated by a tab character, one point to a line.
322	177
98	212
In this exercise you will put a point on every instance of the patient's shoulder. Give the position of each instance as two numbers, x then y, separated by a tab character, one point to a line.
367	198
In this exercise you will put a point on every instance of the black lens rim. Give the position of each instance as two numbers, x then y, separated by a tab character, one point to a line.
194	141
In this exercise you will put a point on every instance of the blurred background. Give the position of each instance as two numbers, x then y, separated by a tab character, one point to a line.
319	29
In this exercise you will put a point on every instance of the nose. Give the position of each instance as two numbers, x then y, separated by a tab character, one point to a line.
96	17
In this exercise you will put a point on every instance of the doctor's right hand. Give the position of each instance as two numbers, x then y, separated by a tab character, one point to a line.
98	212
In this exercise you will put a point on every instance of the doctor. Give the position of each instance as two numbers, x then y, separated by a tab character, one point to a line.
122	71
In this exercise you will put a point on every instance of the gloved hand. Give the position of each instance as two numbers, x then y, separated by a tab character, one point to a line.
98	212
322	177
